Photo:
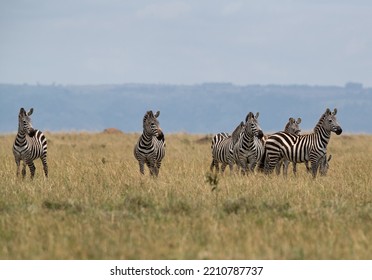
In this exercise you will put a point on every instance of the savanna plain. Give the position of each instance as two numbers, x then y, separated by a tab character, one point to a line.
96	205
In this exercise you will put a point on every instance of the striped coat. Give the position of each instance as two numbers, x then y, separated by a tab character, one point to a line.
150	147
301	148
249	149
29	145
292	126
222	149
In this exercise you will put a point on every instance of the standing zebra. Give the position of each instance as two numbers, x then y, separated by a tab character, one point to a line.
29	145
293	127
150	148
249	149
222	148
301	148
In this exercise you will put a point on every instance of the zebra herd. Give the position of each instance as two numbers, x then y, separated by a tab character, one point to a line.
31	144
247	146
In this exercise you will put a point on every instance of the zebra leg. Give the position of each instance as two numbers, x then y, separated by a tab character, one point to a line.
158	164
18	163
215	164
243	166
231	166
278	167
285	167
314	168
24	170
270	163
252	167
153	168
141	167
223	167
45	166
156	171
237	168
240	165
212	165
294	168
31	165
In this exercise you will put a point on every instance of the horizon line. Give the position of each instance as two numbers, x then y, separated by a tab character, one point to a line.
350	84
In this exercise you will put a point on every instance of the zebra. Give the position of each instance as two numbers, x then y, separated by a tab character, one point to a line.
249	149
293	127
301	148
150	148
29	144
222	149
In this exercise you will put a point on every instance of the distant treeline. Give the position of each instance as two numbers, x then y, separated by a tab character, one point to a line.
200	108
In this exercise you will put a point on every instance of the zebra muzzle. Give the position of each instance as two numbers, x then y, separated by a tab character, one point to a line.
160	135
338	130
260	134
32	132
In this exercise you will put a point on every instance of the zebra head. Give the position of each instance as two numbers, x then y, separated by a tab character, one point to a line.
151	125
330	122
293	126
236	133
24	122
252	126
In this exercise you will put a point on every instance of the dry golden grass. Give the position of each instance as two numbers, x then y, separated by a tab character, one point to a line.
95	204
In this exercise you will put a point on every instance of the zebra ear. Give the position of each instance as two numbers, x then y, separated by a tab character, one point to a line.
328	111
257	114
291	120
157	114
30	112
335	111
22	111
299	120
249	115
329	158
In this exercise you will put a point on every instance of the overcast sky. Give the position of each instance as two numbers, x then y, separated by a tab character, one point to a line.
186	42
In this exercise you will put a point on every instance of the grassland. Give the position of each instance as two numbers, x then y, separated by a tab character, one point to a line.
95	204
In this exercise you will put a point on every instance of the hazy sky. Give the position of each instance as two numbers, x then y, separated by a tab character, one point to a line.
186	42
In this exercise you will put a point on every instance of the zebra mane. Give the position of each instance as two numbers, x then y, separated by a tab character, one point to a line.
236	133
322	118
150	114
251	116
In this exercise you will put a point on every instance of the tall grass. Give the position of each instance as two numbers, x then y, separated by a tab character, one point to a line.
96	205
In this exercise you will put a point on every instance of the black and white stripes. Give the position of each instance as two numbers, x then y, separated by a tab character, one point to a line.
301	148
245	147
249	148
292	126
150	148
29	145
222	148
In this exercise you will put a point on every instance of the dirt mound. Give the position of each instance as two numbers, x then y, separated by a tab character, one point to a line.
205	139
112	130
